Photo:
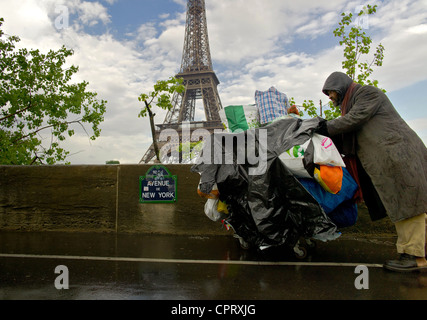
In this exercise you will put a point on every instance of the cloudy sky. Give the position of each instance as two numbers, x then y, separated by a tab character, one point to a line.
123	47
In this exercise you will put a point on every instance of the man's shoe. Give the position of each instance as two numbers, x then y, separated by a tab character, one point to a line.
406	263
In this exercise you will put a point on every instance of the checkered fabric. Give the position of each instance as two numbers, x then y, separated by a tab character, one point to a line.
271	104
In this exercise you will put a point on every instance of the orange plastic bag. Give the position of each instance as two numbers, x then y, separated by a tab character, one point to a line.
330	178
213	194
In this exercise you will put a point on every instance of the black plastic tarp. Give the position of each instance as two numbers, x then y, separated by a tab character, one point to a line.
269	206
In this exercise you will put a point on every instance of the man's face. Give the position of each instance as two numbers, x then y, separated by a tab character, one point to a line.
333	96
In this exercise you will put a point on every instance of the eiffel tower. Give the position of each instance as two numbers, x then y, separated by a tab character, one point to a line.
199	79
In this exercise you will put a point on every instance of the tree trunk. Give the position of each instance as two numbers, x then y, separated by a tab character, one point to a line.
153	130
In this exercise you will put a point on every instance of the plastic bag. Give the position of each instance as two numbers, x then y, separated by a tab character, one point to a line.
345	215
330	178
240	117
222	207
327	200
212	194
211	211
325	151
293	160
271	104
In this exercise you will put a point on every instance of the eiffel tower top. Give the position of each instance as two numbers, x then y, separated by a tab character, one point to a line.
196	53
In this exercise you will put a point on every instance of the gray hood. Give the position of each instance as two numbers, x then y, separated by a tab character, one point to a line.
339	82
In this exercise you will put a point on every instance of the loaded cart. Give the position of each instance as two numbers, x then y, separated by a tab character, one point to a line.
263	198
272	179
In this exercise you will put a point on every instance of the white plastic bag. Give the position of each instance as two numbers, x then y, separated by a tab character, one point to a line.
293	160
325	151
211	209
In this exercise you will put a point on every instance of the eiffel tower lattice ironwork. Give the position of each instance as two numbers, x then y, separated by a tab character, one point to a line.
199	79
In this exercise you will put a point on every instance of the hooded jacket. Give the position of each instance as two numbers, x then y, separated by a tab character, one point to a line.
390	152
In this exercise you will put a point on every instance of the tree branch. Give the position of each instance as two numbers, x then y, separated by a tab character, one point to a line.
30	105
40	129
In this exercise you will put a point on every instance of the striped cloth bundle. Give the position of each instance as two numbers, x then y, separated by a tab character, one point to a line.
271	104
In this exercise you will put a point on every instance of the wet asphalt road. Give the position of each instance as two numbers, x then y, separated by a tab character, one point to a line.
163	267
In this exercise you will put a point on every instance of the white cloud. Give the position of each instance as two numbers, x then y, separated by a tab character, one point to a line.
401	27
90	13
316	26
397	25
28	20
241	30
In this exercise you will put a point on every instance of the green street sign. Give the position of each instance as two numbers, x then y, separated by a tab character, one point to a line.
158	186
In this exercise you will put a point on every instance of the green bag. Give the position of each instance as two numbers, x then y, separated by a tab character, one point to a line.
240	117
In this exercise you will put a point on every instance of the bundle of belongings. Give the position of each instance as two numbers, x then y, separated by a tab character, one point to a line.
276	182
271	104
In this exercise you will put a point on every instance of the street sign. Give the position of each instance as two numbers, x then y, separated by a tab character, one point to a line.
158	186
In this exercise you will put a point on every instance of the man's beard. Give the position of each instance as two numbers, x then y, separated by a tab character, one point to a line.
335	103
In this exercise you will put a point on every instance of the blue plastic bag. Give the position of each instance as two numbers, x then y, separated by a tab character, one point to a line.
345	215
330	202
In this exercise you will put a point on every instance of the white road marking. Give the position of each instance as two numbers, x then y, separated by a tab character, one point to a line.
193	261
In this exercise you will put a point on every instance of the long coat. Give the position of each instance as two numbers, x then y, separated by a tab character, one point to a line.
391	153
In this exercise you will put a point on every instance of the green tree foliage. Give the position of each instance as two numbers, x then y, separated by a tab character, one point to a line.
356	46
327	112
161	97
36	97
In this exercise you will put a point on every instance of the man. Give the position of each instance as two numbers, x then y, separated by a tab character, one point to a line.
388	160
